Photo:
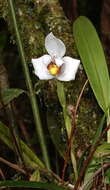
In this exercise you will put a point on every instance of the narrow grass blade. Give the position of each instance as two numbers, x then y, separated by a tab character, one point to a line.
29	156
32	96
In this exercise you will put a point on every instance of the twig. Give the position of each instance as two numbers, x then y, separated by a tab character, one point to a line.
80	95
103	176
14	166
11	126
2	174
73	112
104	167
19	168
3	177
87	161
46	172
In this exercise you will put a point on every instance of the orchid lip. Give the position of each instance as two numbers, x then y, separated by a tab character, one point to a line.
53	68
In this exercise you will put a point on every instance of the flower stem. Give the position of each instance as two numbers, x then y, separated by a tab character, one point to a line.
108	122
70	148
32	96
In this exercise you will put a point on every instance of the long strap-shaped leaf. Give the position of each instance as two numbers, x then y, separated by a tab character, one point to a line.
30	185
30	158
93	59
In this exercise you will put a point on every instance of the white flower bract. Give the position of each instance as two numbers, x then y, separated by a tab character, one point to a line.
54	65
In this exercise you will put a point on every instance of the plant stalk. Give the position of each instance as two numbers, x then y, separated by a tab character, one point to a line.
70	149
32	96
108	122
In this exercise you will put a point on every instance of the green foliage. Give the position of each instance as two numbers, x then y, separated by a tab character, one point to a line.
97	158
35	176
61	94
62	100
94	63
9	94
99	130
102	150
33	98
67	119
93	59
28	184
30	158
100	157
56	133
107	178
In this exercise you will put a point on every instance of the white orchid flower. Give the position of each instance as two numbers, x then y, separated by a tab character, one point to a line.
55	65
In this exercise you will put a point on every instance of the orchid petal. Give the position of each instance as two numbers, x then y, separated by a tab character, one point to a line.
69	69
40	67
54	46
46	59
59	62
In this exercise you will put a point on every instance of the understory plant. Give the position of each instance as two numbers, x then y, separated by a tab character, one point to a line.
76	172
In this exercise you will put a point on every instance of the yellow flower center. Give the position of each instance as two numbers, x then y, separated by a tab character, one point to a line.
53	68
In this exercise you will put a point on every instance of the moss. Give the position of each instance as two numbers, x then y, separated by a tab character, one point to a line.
87	123
3	9
35	20
88	115
30	29
57	23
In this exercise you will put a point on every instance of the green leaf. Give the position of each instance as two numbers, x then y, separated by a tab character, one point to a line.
61	94
93	59
67	119
56	133
99	130
89	175
107	176
62	100
29	156
28	184
35	176
102	150
9	94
